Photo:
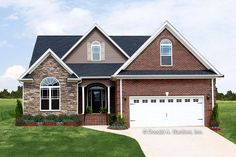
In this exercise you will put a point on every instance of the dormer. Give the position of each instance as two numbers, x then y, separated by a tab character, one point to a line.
95	47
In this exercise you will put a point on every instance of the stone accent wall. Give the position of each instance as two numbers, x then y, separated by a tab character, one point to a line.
159	87
68	90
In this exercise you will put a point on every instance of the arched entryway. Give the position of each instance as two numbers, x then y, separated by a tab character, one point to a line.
97	97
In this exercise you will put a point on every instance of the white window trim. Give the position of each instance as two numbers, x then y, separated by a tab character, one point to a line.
100	54
50	98
171	54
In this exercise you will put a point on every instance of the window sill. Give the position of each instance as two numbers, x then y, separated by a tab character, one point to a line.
166	65
50	110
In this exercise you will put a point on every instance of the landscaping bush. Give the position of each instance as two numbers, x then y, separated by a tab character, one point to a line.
39	118
102	110
50	118
27	118
76	119
120	120
111	118
19	121
89	110
18	110
215	116
61	118
117	122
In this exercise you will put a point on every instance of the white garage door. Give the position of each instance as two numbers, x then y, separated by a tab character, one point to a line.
166	111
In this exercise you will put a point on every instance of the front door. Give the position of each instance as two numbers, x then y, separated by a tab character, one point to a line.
96	100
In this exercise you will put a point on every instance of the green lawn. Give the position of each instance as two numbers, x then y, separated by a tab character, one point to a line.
60	141
7	108
227	115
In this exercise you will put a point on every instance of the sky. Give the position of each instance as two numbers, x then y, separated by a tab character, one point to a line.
209	25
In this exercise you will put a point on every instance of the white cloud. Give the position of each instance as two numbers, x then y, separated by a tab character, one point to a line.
51	16
12	17
14	72
4	43
208	24
9	78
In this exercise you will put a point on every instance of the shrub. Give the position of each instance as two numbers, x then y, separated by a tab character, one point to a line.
89	110
103	109
18	110
117	122
27	118
50	118
215	116
74	116
19	121
61	118
120	120
39	118
111	118
76	119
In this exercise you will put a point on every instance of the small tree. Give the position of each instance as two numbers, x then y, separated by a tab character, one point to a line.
215	117
19	110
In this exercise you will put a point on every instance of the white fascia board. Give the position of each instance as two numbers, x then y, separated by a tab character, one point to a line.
174	31
42	58
73	79
191	48
86	34
26	80
96	77
165	76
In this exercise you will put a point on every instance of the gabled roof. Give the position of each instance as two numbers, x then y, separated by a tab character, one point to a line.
130	43
58	44
174	32
61	44
26	74
81	39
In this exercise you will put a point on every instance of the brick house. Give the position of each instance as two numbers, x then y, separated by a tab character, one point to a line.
158	80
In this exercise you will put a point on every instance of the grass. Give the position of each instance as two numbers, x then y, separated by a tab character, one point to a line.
60	141
7	108
227	115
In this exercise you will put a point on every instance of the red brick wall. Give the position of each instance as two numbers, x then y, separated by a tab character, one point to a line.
150	58
95	119
159	87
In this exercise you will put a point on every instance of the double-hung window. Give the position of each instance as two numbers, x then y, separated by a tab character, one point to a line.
96	51
50	94
166	52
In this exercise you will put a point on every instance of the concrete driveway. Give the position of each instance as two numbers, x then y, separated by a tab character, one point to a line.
178	141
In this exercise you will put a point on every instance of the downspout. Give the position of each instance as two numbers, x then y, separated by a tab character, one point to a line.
23	96
212	93
121	103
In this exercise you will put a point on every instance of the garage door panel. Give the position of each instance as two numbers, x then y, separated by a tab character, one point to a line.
167	113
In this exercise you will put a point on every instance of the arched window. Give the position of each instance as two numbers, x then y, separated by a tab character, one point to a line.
166	52
96	51
50	94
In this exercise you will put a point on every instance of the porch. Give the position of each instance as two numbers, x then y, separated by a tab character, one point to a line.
96	99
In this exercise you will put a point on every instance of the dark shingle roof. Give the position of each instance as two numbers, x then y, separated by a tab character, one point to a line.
166	72
61	44
28	76
129	43
95	69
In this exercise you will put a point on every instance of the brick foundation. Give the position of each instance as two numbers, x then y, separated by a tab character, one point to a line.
95	119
